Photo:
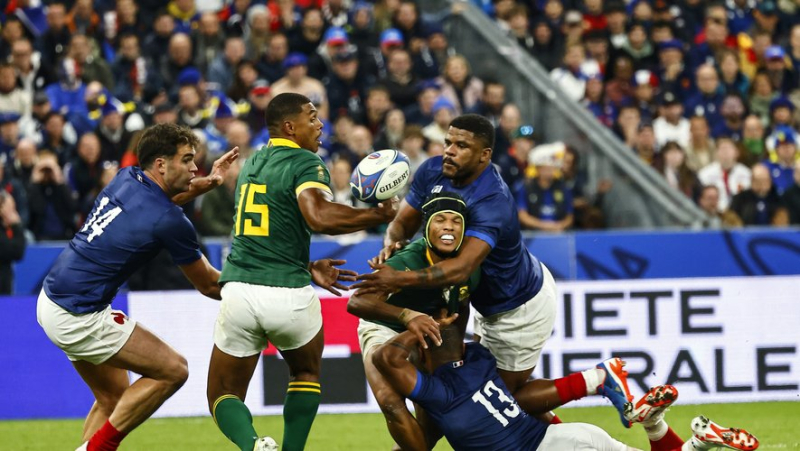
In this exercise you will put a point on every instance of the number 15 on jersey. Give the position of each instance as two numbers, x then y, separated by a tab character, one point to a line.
257	221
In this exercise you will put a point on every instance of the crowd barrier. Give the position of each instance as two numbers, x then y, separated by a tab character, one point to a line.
570	256
729	339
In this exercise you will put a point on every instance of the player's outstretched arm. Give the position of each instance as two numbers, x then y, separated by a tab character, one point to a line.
445	273
391	359
203	276
324	216
202	185
373	306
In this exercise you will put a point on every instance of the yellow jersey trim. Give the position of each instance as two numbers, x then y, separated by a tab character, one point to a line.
307	185
274	142
219	400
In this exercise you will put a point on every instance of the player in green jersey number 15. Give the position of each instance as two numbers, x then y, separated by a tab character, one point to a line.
283	195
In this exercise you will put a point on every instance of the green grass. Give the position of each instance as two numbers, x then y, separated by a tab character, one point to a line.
772	423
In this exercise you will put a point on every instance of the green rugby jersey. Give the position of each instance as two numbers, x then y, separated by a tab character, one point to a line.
270	234
430	301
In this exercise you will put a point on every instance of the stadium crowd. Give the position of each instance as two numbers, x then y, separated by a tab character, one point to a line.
704	92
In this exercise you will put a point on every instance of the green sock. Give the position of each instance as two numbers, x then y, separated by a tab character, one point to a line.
299	410
235	421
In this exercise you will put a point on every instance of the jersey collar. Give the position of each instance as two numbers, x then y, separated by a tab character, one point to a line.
275	142
428	256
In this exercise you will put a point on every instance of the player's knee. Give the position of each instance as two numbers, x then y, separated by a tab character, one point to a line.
178	372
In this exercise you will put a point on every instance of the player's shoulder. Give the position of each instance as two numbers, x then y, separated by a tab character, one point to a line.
410	257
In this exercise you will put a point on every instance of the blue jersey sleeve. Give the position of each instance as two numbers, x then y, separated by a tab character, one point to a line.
487	217
430	393
178	236
420	185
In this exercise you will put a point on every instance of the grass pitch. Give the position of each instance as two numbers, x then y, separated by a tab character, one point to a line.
772	423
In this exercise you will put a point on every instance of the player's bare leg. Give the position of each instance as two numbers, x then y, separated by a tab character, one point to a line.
303	394
107	384
228	379
163	372
403	427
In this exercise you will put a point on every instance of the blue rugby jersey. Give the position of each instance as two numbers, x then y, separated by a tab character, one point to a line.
510	274
132	220
472	406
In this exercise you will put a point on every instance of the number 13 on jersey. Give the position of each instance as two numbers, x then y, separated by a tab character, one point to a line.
249	226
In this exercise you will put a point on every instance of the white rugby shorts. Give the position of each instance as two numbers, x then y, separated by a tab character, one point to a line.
93	337
251	315
516	337
372	335
579	437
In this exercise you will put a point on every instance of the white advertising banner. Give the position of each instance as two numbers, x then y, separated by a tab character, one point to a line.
717	340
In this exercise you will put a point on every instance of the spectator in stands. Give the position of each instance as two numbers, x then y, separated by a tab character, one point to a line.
572	28
412	144
671	163
731	77
733	112
645	145
638	48
595	100
670	124
546	49
177	58
672	70
753	141
257	31
185	15
378	104
220	71
21	168
458	84
337	144
83	173
238	135
156	44
729	176
760	205
259	97
761	96
543	202
216	131
55	40
134	75
12	31
392	132
627	125
766	18
512	165
443	113
14	186
568	77
781	111
297	80
218	206
491	102
209	40
190	107
363	33
31	74
309	36
335	12
244	79
92	67
510	120
421	113
519	27
782	169
270	66
616	16
618	86
701	150
128	21
708	201
340	182
114	138
54	137
400	80
407	20
791	197
781	77
12	98
596	41
437	49
163	113
708	99
12	242
52	210
9	133
360	144
644	84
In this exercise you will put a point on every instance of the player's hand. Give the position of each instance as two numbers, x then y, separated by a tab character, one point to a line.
385	279
326	275
221	166
386	252
388	208
422	325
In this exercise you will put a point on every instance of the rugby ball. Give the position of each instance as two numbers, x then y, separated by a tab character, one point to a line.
379	176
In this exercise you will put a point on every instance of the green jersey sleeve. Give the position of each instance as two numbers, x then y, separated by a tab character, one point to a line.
311	173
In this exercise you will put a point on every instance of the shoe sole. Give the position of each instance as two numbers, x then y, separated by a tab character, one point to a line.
725	437
658	399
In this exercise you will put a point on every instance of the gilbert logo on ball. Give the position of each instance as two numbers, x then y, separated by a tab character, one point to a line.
380	175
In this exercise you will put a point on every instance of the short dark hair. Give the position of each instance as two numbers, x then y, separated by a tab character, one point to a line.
161	141
282	107
451	348
478	125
